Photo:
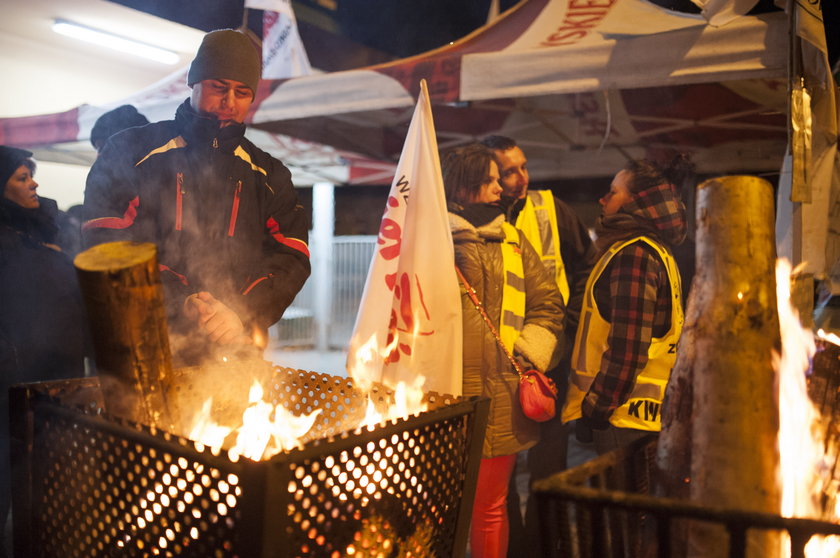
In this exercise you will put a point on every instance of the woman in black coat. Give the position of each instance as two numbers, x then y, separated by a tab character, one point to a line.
43	326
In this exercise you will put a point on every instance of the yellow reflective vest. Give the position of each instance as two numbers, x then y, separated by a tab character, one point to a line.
513	292
642	409
538	222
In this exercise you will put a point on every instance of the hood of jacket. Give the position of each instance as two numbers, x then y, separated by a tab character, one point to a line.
657	212
463	230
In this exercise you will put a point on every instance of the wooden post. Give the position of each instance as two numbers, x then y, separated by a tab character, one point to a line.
121	286
720	427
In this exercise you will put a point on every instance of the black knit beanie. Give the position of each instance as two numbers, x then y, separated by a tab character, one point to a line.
11	158
226	54
115	121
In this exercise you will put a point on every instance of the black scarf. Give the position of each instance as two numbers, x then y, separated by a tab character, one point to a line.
479	214
36	224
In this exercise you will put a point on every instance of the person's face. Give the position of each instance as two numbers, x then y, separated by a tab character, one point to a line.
490	190
618	195
513	172
20	188
226	99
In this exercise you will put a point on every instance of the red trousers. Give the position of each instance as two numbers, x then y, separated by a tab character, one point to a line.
489	527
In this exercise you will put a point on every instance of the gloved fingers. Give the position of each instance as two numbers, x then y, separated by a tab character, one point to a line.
197	309
224	327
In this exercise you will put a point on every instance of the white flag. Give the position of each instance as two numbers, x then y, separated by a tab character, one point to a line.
409	321
283	53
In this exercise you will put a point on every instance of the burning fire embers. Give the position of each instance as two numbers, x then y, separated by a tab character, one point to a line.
89	485
807	439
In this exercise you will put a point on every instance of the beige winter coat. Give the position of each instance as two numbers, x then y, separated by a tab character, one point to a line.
486	369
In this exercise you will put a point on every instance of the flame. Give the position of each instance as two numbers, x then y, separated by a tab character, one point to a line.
367	359
205	431
408	398
266	429
828	336
804	469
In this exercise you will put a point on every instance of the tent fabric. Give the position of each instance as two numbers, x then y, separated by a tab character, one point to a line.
568	78
692	55
531	74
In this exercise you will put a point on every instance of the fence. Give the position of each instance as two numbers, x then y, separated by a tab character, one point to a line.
604	509
351	257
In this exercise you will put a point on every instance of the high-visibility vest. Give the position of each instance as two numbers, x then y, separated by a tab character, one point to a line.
642	409
513	292
538	221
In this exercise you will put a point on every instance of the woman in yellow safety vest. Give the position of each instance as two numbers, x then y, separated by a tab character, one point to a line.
522	301
632	312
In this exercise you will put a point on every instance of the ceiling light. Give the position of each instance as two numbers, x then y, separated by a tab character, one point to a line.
114	42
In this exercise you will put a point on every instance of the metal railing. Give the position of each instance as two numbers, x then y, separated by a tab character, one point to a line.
351	257
602	509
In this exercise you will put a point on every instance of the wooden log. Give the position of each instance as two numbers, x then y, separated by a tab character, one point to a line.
121	286
733	327
673	448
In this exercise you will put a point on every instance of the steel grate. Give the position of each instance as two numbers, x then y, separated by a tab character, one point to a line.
90	485
106	496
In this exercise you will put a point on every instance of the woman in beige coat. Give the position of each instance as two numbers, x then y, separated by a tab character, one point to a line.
526	308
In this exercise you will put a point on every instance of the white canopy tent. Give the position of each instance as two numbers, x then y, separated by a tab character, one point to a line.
583	85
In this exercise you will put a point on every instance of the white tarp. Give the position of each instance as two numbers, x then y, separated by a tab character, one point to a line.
746	48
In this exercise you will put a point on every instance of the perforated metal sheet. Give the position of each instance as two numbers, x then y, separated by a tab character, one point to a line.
94	486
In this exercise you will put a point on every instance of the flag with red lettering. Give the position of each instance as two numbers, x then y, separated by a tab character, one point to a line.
409	320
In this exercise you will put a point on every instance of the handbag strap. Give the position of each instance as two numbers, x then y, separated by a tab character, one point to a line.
480	307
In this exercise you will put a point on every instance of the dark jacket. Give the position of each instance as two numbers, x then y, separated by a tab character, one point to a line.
43	325
487	371
223	213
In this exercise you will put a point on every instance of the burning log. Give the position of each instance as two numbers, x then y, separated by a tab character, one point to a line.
122	291
720	422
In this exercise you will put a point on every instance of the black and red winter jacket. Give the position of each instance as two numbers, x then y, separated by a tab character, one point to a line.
223	213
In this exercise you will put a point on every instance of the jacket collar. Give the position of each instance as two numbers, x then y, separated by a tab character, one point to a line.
491	231
198	129
37	223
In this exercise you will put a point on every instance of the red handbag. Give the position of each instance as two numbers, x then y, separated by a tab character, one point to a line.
537	395
537	392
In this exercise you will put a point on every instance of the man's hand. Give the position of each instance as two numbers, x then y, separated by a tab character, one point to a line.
220	323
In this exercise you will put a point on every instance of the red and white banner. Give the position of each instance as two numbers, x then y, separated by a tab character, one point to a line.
283	53
409	322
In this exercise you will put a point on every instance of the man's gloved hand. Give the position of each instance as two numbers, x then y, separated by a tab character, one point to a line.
221	324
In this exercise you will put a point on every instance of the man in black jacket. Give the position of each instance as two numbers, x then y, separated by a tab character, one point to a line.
230	231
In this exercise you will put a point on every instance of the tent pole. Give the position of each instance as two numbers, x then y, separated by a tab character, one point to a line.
323	232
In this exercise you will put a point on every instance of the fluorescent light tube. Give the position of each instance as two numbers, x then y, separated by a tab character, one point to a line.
114	42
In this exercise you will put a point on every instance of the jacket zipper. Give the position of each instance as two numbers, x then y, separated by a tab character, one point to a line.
235	209
179	193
